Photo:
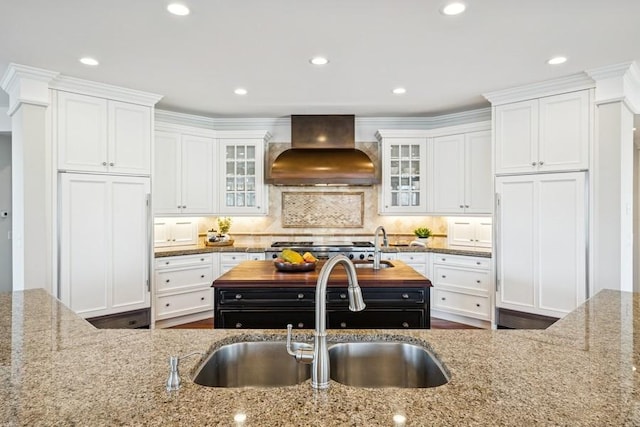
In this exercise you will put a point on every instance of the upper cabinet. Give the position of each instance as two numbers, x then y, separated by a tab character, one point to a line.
543	135
241	176
183	174
403	187
460	173
101	135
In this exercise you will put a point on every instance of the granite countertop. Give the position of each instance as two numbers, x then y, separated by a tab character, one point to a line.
56	369
201	249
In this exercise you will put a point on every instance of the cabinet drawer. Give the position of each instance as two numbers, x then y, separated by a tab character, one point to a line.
477	280
383	319
185	303
184	278
413	257
264	319
462	261
267	297
464	304
235	257
183	261
375	296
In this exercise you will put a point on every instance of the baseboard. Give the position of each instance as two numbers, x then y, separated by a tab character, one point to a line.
168	323
484	324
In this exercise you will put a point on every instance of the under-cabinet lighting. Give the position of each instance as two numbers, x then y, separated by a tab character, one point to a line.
178	9
455	8
319	60
89	61
399	91
240	91
557	60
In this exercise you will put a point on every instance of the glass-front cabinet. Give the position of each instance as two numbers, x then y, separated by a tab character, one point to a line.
242	173
403	188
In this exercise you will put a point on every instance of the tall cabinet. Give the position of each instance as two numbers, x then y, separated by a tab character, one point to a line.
541	149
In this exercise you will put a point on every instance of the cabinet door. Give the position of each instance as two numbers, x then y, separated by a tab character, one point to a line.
129	138
516	242
197	174
564	132
448	174
403	188
478	185
484	232
130	244
85	243
242	177
516	135
167	173
82	133
461	232
161	233
184	232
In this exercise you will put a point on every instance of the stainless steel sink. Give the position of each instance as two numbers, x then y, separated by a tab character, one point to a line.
369	264
385	364
264	364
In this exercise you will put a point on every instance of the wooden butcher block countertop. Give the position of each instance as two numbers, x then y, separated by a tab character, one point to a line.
264	273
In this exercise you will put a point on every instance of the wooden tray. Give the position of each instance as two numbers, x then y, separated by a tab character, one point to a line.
227	243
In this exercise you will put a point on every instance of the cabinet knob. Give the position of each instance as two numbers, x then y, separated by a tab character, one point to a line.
167	263
343	296
104	163
466	206
541	163
443	299
111	164
405	324
471	240
201	259
477	281
477	305
174	240
405	296
461	206
257	207
300	325
444	276
533	163
201	298
202	276
238	325
300	296
167	305
179	206
238	296
478	263
343	324
443	259
167	281
168	240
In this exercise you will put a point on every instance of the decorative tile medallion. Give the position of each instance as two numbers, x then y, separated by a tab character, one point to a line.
322	209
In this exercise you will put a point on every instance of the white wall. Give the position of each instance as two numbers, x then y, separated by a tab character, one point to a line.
5	206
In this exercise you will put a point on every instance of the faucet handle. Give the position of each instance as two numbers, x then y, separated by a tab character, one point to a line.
173	382
304	355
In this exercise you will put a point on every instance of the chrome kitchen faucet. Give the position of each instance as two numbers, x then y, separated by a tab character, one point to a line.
319	355
376	246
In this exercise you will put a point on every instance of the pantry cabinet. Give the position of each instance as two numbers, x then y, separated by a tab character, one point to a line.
183	174
102	135
548	134
104	243
460	173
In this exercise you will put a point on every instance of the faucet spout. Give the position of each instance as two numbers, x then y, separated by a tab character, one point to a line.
376	246
320	367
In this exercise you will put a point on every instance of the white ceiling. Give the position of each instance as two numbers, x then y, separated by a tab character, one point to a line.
446	63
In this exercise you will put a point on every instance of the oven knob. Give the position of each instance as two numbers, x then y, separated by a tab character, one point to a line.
361	256
350	256
274	256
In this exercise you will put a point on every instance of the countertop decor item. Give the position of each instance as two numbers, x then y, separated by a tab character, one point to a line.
290	267
422	232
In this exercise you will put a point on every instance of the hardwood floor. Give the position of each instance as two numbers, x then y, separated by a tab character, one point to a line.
435	324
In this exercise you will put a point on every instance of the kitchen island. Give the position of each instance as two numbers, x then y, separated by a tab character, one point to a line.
56	369
255	294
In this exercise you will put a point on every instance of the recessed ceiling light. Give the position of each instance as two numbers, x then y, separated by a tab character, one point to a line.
556	60
319	60
399	91
454	8
240	91
178	9
89	61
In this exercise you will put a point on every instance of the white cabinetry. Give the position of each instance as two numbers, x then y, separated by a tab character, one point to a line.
461	173
228	260
541	243
101	135
104	243
462	288
473	232
183	174
241	175
403	188
175	232
419	261
183	287
543	135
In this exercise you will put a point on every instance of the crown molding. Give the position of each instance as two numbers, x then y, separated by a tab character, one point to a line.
220	123
102	90
430	133
26	85
571	83
618	82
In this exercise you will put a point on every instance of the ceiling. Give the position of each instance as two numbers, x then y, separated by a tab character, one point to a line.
445	63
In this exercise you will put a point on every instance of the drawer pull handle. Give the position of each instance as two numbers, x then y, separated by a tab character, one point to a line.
238	325
443	259
478	281
166	263
343	296
477	305
343	324
405	324
167	281
201	298
443	299
300	296
202	276
167	305
300	325
201	259
477	262
444	276
405	296
238	296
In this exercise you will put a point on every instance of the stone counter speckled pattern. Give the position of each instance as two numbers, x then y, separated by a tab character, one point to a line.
201	249
56	369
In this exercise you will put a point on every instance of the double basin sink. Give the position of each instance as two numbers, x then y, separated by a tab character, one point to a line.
356	364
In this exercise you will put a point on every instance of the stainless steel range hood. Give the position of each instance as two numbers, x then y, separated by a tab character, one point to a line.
323	153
